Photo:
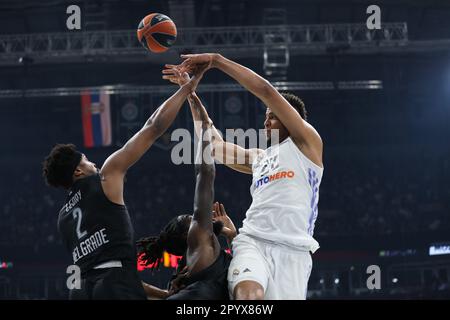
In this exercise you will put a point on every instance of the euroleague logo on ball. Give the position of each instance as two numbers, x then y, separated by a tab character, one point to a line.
157	32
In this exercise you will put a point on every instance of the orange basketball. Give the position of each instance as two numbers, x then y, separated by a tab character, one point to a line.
157	32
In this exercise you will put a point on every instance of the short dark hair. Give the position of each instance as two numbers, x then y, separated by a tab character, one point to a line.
297	103
59	166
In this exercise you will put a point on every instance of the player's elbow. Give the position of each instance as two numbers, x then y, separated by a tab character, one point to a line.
265	90
155	128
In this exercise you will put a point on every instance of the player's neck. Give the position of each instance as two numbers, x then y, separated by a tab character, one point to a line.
271	143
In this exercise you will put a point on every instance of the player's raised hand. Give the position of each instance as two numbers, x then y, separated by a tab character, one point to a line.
193	61
197	74
175	75
219	214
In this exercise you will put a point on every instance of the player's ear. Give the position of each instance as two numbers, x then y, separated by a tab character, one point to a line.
78	172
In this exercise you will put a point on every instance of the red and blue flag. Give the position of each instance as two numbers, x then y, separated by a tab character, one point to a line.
96	119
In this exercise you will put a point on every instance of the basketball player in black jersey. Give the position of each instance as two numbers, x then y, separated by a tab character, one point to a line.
94	222
194	237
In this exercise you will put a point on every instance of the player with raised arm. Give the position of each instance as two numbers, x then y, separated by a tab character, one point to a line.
94	222
204	264
271	254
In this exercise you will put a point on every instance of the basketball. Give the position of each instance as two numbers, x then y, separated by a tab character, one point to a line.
157	32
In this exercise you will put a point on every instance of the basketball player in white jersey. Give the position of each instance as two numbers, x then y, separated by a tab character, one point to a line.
271	254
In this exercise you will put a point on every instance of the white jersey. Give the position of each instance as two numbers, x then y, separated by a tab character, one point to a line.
285	191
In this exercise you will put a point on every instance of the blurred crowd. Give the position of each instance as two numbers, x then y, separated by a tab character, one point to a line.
386	196
376	197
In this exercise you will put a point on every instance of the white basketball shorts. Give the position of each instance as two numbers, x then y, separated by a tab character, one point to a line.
282	272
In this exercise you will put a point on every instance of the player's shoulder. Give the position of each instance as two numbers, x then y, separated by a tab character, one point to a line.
312	151
313	130
92	179
312	140
88	185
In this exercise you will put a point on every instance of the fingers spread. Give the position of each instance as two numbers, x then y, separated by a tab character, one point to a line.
186	62
170	71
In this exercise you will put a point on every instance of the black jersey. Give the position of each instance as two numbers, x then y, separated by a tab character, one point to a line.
93	228
208	284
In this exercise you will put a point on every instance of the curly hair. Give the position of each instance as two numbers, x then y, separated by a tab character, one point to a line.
172	240
297	103
60	164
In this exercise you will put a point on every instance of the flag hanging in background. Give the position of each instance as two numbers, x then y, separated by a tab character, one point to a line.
96	119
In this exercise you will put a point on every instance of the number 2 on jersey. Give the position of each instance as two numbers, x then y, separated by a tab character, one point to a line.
77	214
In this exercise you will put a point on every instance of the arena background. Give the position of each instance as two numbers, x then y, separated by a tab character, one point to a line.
380	100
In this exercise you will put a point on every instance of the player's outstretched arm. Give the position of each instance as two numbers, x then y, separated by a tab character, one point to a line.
115	167
205	172
301	132
203	246
155	126
230	154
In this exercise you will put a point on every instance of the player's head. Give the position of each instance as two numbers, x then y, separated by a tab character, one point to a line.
272	122
65	164
173	240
